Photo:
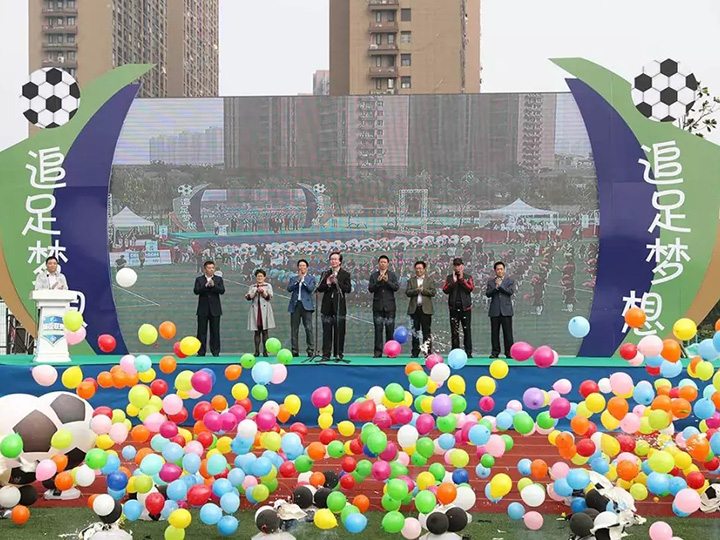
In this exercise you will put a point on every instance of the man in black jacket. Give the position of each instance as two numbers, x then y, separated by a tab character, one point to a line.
458	287
383	283
334	284
209	287
500	290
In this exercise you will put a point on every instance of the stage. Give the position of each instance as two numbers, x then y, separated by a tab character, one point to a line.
361	373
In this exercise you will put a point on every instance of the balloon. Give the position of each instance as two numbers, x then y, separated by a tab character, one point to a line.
72	377
521	351
72	320
273	345
76	337
167	330
533	495
126	277
411	528
147	334
684	329
635	318
401	334
457	358
499	369
649	346
45	374
356	523
106	343
660	530
321	397
392	349
324	519
533	521
579	327
189	345
687	500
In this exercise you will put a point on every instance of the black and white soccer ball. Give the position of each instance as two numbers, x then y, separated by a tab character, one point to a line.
51	97
185	190
665	91
35	422
319	188
75	415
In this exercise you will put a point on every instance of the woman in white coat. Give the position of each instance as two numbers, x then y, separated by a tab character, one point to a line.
260	315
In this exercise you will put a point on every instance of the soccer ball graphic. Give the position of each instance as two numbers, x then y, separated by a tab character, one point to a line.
74	414
185	190
50	98
319	188
665	91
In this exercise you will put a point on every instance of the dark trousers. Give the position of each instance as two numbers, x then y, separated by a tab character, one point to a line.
301	314
214	322
495	324
421	321
383	320
458	318
333	335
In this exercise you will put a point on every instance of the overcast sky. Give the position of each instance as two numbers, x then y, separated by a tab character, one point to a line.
272	47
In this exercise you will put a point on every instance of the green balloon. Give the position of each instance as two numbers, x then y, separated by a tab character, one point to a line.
247	361
357	476
545	421
259	392
336	449
425	501
261	492
96	459
523	423
366	431
394	393
303	464
348	510
336	501
377	442
285	356
389	504
418	460
143	483
273	345
364	468
459	403
11	446
393	522
437	470
272	484
487	424
447	424
418	378
509	442
425	447
397	489
418	403
487	460
397	469
408	499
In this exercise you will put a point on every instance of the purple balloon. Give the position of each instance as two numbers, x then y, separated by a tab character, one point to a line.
533	398
441	405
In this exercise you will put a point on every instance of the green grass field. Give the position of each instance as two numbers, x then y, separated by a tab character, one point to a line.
165	293
48	523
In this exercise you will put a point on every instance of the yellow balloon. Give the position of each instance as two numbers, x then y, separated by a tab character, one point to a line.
609	422
426	404
684	329
500	485
583	410
325	420
118	415
595	403
552	436
147	334
131	410
139	395
716	381
523	483
432	386
189	345
72	377
577	459
241	391
182	380
499	369
180	518
639	492
682	460
324	519
348	451
658	419
104	442
346	428
223	443
185	434
704	370
147	376
486	387
292	402
329	409
424	480
173	533
662	383
456	384
343	394
609	445
612	474
408	400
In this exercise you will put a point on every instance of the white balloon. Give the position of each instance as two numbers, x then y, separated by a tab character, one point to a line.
465	498
376	393
103	505
247	429
440	373
533	495
407	436
9	496
126	277
85	476
604	385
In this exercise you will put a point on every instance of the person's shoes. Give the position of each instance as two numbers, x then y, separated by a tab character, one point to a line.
265	353
257	353
469	355
340	356
216	354
414	355
377	355
295	355
494	356
325	359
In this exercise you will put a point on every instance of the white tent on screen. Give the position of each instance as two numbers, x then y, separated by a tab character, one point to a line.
517	209
127	219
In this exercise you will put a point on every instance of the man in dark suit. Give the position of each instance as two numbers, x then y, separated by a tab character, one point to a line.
421	289
458	287
334	284
301	307
209	287
383	283
500	290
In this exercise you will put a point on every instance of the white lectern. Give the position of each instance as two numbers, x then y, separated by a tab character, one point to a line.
51	345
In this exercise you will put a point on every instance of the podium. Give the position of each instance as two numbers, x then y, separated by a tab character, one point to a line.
51	345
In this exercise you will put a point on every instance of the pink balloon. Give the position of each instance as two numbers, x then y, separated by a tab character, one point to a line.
169	472
637	361
119	433
382	420
127	364
172	404
486	404
101	424
194	447
201	382
553	395
424	424
543	356
554	496
559	470
521	351
533	520
621	383
631	423
76	337
411	529
228	421
45	374
321	397
562	386
403	458
381	470
687	500
392	349
238	412
495	446
154	421
432	360
265	420
714	421
390	452
515	405
279	373
650	346
660	531
249	481
559	408
169	429
403	415
212	421
45	470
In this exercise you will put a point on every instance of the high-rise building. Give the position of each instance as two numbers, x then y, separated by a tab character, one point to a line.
321	82
188	148
88	38
404	47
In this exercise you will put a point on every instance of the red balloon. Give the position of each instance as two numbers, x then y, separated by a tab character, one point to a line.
588	387
347	481
695	480
222	474
299	428
627	443
180	417
245	404
356	446
158	387
154	503
585	447
287	469
675	393
198	494
327	436
105	411
654	371
178	439
713	464
628	351
348	464
177	351
353	411
201	409
106	343
591	430
205	438
366	411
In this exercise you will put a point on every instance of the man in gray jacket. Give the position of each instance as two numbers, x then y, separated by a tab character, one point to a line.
500	290
51	279
421	289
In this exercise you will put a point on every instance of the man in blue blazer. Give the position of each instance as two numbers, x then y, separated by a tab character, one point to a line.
302	287
500	290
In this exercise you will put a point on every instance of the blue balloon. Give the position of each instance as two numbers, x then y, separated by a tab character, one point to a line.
715	443
132	509
479	434
481	471
112	464
210	514
488	496
236	477
716	341
116	494
446	441
173	452
415	391
211	373
460	476
245	462
128	452
578	504
578	478
158	442
230	503
670	370
355	523
290	441
707	350
562	487
504	420
677	484
600	465
658	483
151	464
177	490
523	466
400	335
262	372
117	480
191	463
216	464
142	363
643	393
516	510
262	467
227	525
678	512
703	408
690	431
168	508
221	486
457	358
654	361
579	327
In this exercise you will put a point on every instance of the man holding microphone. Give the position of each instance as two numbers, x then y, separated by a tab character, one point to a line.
334	284
458	287
301	287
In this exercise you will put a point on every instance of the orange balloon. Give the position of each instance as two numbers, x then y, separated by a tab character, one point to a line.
362	503
115	368
635	317
64	481
61	462
446	493
688	392
219	403
664	391
105	379
661	402
317	479
283	414
698	447
538	469
671	350
85	390
579	425
569	452
412	366
692	366
119	379
167	330
565	439
91	499
717	325
681	408
233	372
131	379
316	450
618	407
199	427
716	399
168	364
203	469
125	471
140	433
20	514
142	453
627	470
